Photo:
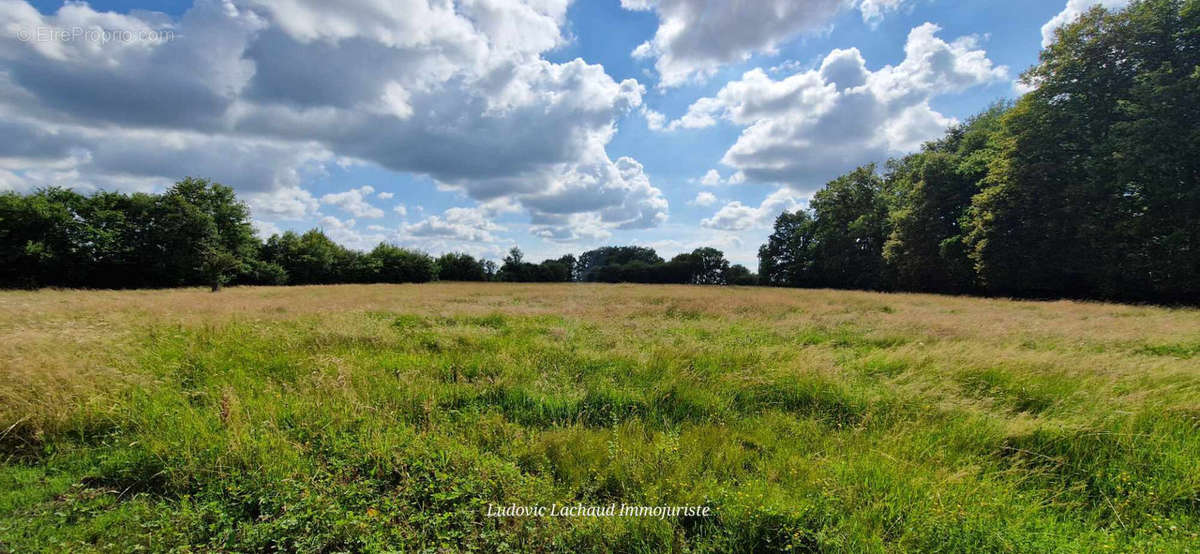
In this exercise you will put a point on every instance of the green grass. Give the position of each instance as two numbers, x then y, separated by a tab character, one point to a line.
326	419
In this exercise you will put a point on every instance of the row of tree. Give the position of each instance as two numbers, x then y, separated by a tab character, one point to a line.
639	264
1088	186
198	232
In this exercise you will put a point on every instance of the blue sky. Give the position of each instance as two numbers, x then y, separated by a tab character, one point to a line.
555	126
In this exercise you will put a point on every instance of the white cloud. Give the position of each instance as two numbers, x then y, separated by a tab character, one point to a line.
504	26
58	151
736	216
704	199
789	66
258	94
808	127
874	10
729	243
400	209
283	203
574	227
1071	12
461	224
638	5
655	121
385	195
354	201
696	37
345	233
331	222
713	178
264	229
627	201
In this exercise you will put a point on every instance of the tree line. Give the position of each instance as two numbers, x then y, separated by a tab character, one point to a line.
199	233
1086	187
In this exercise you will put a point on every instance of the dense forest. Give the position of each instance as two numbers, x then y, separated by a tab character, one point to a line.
1087	187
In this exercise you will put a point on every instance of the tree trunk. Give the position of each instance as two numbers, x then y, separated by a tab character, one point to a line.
216	286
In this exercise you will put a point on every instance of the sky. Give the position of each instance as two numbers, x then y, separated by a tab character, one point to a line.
475	125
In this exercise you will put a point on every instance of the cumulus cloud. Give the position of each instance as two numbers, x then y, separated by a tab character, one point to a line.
804	129
704	199
259	94
469	230
628	202
1071	12
789	66
264	229
731	244
655	121
460	224
713	178
135	158
575	227
736	216
347	233
385	195
330	222
874	10
283	203
696	37
354	201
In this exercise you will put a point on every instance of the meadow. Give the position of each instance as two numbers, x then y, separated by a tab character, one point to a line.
390	417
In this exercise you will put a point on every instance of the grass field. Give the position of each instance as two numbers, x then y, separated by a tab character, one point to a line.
351	418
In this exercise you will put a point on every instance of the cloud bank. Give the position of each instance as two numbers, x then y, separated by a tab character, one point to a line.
810	126
696	37
261	94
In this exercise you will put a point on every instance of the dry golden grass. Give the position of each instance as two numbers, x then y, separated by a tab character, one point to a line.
78	314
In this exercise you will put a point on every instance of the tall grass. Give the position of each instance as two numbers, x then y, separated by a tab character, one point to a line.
375	418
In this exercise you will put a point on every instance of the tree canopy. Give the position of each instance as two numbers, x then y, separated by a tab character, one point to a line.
1096	189
1088	186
